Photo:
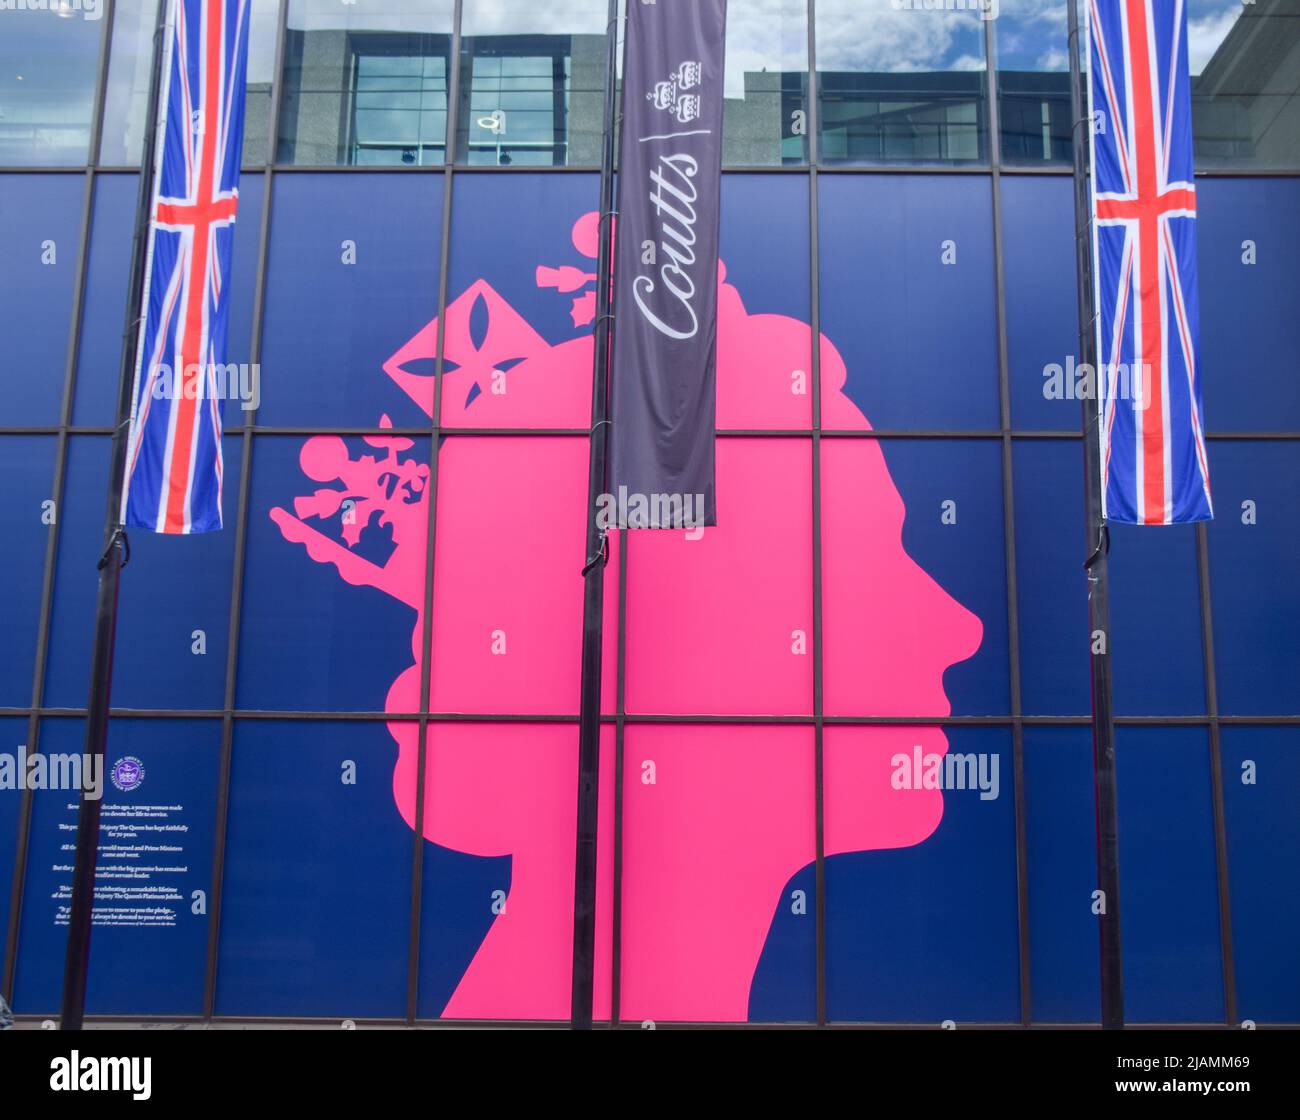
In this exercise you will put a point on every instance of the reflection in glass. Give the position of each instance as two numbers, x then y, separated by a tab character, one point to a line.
49	61
1245	66
365	83
532	82
899	84
1244	63
1245	69
1034	81
126	98
263	26
765	112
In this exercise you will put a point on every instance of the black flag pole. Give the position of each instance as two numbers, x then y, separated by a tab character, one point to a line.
593	601
76	965
1106	904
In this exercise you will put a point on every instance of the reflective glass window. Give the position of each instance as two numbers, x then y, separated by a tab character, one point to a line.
365	83
130	66
1244	61
1245	66
899	82
765	113
49	59
532	82
1033	82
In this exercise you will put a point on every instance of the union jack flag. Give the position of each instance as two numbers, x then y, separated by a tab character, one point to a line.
173	471
1154	468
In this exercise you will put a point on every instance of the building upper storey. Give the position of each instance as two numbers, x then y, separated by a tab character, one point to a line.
517	83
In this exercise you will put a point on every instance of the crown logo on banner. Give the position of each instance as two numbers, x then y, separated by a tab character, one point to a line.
671	96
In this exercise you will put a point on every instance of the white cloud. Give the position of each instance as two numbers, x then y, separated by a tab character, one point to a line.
764	35
1205	35
869	35
1053	60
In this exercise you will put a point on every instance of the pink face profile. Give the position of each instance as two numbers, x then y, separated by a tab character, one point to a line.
717	816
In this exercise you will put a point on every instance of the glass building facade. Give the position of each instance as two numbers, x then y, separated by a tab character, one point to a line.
395	604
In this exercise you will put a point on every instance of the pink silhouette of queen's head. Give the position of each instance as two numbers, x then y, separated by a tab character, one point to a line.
719	816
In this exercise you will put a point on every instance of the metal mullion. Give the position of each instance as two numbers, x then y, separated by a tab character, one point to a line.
1247	436
815	346
97	120
435	168
1230	1009
27	169
620	683
431	525
620	727
380	716
905	169
242	1022
41	656
221	810
620	666
933	433
1009	531
55	429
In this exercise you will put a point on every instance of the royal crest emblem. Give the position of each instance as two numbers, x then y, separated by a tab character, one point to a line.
671	95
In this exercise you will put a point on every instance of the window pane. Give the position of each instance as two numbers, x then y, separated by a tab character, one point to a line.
765	111
48	64
899	86
311	924
1245	70
26	468
533	81
898	881
263	28
1245	65
1033	82
365	83
126	98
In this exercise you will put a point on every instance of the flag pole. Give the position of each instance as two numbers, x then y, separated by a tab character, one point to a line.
1103	719
76	965
593	602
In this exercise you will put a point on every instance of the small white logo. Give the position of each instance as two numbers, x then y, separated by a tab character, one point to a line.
670	97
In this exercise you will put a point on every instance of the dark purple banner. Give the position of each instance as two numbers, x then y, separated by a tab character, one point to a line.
666	267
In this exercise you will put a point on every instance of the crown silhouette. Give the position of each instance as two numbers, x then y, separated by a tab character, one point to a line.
483	334
388	491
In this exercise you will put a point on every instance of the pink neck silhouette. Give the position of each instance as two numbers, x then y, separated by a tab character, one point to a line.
717	817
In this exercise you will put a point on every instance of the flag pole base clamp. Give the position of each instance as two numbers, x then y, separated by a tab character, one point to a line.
119	538
602	554
1102	548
